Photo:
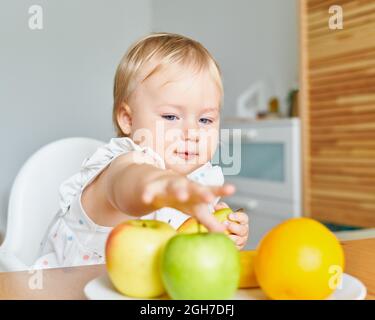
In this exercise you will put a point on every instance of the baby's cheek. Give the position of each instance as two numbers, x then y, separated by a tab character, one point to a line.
207	147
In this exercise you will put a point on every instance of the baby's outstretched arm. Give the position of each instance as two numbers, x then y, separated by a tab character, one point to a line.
133	185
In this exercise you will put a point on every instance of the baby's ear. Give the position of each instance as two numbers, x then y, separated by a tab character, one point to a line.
124	118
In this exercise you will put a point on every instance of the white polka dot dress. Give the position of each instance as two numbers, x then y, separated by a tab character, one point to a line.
73	239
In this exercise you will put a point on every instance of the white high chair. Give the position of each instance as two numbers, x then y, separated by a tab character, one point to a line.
34	198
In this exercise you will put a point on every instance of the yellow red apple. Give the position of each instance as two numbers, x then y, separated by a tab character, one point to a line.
191	225
133	252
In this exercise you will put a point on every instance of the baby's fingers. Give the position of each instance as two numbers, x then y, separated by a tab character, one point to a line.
240	217
238	229
220	205
151	191
204	217
238	241
200	193
178	189
222	191
208	193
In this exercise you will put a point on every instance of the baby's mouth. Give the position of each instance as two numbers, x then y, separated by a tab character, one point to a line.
186	155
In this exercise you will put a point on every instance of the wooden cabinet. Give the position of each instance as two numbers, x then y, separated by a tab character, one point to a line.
338	111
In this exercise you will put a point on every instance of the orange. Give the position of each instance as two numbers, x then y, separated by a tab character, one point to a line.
247	274
299	259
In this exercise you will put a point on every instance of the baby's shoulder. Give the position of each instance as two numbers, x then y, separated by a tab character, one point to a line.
134	156
125	150
116	147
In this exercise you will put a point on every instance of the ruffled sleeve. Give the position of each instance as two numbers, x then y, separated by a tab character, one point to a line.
208	175
96	163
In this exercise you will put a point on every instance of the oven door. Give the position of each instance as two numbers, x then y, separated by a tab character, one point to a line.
263	161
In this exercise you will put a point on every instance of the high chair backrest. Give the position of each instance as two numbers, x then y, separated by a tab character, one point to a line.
34	198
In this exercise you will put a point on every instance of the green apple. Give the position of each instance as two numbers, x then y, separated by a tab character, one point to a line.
200	266
133	252
191	225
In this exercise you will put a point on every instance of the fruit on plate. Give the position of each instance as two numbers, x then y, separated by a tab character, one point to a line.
299	259
201	266
133	254
191	225
247	274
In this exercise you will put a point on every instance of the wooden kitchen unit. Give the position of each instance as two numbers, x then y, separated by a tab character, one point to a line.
360	262
338	112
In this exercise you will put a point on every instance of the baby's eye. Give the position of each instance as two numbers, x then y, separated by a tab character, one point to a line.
169	117
205	120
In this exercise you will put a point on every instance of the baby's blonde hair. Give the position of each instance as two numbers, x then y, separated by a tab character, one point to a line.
167	48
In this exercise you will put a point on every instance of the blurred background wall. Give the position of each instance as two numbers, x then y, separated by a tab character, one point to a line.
57	82
251	39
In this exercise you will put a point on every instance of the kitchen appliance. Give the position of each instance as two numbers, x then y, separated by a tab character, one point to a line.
265	166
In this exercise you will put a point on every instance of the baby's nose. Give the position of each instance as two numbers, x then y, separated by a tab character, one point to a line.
191	131
193	137
192	134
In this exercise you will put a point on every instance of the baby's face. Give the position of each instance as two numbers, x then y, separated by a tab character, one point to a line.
177	113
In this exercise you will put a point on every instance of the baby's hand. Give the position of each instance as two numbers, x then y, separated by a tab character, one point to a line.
177	191
238	227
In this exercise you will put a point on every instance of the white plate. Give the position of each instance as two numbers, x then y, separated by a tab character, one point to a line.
102	289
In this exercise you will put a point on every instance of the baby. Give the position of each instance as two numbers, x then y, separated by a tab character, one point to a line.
167	97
